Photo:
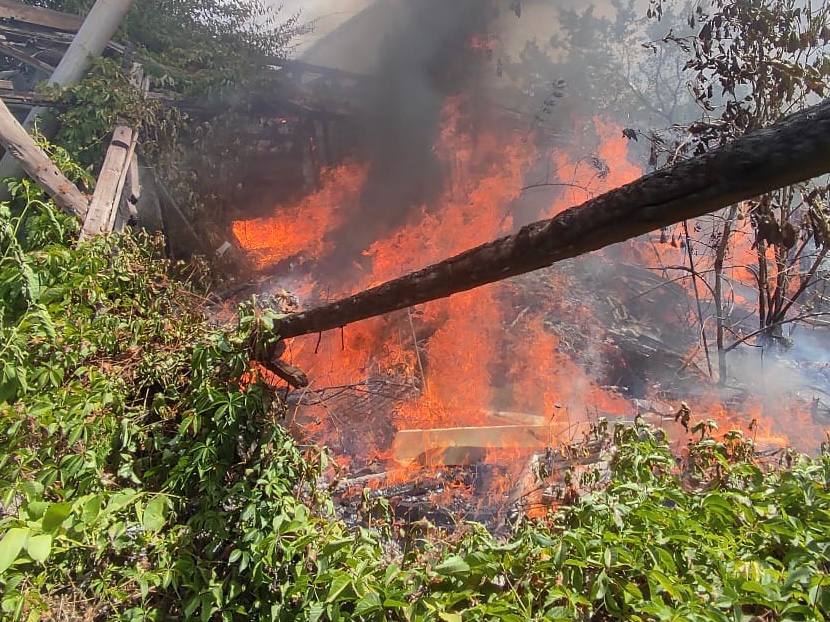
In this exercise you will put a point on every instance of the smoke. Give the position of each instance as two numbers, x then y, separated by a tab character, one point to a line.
422	57
625	326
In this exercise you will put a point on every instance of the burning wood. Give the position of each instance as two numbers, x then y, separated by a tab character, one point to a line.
291	374
792	150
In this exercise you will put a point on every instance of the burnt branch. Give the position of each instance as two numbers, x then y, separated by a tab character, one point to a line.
793	150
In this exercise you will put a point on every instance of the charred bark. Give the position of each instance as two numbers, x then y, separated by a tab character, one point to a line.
291	374
792	150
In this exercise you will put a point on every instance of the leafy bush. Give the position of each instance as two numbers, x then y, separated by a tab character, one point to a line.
197	46
94	106
144	476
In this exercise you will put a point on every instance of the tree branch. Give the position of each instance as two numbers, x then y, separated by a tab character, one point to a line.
794	149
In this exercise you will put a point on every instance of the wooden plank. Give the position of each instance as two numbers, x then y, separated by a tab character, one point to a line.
127	212
409	445
119	190
510	417
34	161
9	9
24	57
105	198
24	99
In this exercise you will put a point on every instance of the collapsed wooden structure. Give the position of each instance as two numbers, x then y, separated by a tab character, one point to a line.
55	47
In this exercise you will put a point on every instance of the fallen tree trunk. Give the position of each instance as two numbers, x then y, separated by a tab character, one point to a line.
795	149
32	159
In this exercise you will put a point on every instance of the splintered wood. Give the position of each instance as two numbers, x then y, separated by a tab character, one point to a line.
107	190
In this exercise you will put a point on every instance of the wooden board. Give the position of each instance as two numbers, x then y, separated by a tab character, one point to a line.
462	443
107	189
39	16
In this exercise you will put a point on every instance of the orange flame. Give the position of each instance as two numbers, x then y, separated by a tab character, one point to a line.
467	358
301	227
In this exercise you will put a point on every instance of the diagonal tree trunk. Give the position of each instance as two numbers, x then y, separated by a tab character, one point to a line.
36	163
792	150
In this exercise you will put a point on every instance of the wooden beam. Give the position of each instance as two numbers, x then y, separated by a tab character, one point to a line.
106	196
9	9
793	150
122	181
34	161
24	99
409	445
24	57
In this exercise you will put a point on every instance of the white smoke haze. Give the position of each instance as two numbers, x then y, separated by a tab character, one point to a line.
321	16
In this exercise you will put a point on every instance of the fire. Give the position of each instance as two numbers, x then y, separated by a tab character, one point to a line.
301	228
455	361
584	178
771	423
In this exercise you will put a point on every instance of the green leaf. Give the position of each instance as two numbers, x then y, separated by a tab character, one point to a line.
338	584
55	515
91	509
32	489
36	509
39	547
153	517
11	545
316	611
453	565
369	603
450	617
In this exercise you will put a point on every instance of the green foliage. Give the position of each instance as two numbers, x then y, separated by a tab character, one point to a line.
196	46
226	45
209	52
143	477
94	106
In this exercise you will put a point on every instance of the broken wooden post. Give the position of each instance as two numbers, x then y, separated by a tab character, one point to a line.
793	150
107	189
34	161
122	182
127	212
